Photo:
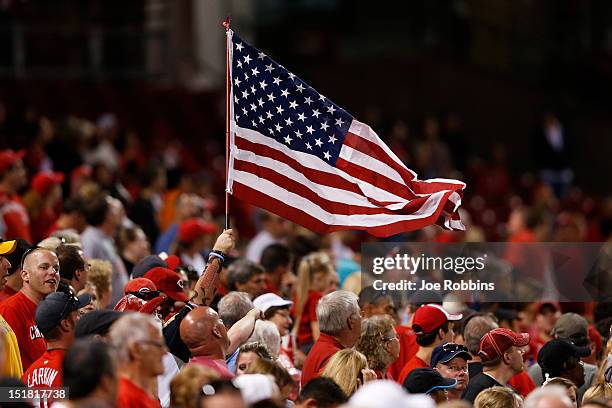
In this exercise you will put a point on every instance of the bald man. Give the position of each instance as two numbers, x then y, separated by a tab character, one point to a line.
40	274
205	335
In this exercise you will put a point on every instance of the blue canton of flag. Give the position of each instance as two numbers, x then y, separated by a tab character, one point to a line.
278	104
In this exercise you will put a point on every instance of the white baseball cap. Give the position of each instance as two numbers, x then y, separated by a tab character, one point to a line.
385	393
268	300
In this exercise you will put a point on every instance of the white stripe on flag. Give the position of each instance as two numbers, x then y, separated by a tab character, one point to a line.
300	203
315	163
364	131
361	159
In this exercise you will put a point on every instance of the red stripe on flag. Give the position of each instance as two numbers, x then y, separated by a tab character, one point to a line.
297	188
374	178
300	217
373	150
317	176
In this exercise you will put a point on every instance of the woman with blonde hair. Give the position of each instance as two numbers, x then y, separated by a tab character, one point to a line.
349	369
570	388
314	273
379	343
186	387
100	276
498	397
598	392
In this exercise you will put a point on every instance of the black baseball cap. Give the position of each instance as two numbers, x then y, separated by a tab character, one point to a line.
56	307
556	352
21	246
446	352
427	380
96	322
146	264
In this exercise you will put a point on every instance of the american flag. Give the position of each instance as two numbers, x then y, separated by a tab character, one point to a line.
297	154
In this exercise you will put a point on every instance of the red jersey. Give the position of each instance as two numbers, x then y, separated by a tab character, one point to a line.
309	314
15	217
522	383
415	362
325	347
132	396
408	348
18	311
46	371
6	293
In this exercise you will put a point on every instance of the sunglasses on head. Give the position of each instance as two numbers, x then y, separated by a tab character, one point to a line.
146	294
28	252
452	347
71	305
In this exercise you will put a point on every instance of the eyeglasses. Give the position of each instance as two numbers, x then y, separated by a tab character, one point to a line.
452	347
158	344
390	338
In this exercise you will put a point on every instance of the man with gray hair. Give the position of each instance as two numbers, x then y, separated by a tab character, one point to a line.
475	328
139	344
553	396
232	308
339	318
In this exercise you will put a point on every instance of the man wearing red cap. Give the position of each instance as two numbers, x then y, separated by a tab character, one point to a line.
432	325
169	283
501	352
194	236
12	178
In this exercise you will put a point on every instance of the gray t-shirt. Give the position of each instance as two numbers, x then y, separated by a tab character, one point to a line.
535	372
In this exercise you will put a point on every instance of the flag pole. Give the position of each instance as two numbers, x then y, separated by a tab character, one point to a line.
226	24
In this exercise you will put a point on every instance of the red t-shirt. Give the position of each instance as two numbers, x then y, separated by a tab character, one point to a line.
522	383
46	371
325	347
218	366
6	293
408	348
132	396
270	287
15	217
414	362
309	314
18	311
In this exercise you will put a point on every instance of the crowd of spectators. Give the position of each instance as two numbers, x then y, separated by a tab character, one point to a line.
120	283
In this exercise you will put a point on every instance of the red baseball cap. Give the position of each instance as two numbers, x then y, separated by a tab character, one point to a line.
142	285
168	282
431	316
81	171
173	262
495	343
43	181
9	157
193	228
